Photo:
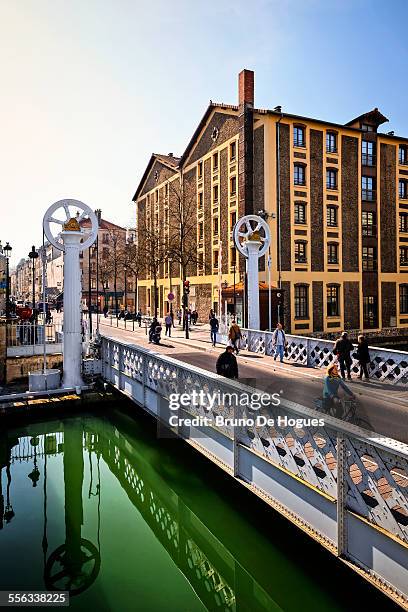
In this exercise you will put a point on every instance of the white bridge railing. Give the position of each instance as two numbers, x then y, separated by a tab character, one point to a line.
344	486
386	365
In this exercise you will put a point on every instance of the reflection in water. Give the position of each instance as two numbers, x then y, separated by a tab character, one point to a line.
170	542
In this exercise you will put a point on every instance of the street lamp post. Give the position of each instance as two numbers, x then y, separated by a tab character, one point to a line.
6	251
125	289
33	255
234	298
170	260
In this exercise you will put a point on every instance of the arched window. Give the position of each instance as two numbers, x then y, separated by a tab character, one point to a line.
301	301
299	174
333	253
333	300
331	178
300	251
300	212
299	136
403	296
331	142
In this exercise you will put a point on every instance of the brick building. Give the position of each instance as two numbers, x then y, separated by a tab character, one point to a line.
335	197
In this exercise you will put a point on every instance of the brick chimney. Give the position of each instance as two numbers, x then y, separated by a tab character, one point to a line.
246	87
246	142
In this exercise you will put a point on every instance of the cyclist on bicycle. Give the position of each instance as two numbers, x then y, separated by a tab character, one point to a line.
332	384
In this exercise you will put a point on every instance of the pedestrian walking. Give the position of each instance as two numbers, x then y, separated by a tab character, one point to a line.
234	335
105	311
342	350
363	356
139	317
214	326
168	322
279	342
211	314
227	363
179	315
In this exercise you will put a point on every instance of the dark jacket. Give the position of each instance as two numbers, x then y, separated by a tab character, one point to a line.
227	365
343	348
214	324
363	354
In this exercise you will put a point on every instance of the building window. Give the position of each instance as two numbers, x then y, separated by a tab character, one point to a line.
331	142
166	190
233	220
403	189
201	232
300	251
200	262
403	299
404	256
331	216
200	200
93	283
299	174
216	226
367	153
332	253
215	162
233	185
233	256
368	223
333	300
200	170
367	188
156	195
105	253
403	155
233	151
299	136
105	238
215	259
369	258
370	311
301	302
367	128
403	223
300	213
331	178
215	193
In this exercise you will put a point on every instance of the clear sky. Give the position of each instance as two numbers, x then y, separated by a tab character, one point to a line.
89	88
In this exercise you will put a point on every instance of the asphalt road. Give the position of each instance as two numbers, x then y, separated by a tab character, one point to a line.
380	408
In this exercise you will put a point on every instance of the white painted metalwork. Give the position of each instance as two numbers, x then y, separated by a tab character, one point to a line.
252	239
387	365
296	469
71	239
245	228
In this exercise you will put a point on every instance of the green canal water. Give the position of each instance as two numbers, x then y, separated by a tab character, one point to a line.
124	520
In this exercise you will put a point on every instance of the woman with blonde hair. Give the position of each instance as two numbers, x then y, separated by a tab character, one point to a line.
363	356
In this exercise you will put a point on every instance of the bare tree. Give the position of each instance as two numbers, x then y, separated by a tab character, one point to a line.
182	225
152	247
182	231
132	259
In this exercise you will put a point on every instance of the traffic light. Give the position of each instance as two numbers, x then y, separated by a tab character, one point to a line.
187	286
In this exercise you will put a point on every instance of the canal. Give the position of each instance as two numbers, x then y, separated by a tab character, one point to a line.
125	520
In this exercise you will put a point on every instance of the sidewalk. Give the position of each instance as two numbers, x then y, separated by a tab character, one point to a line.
200	340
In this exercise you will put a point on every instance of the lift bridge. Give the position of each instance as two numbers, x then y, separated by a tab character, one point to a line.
346	487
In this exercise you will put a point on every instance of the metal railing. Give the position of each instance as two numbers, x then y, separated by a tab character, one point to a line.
28	338
343	485
387	365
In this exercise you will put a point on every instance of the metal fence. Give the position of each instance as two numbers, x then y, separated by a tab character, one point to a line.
386	365
28	338
343	485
